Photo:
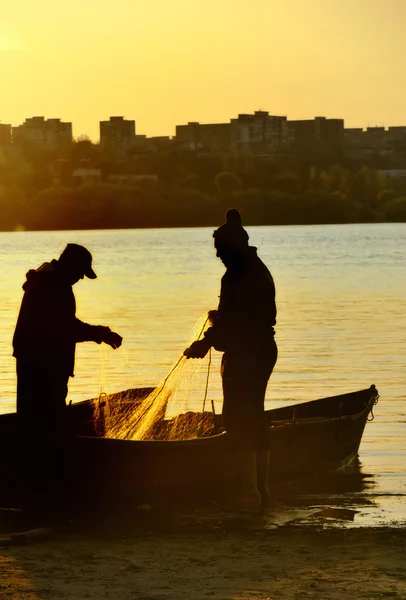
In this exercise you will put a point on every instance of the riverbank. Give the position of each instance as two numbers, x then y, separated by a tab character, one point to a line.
208	554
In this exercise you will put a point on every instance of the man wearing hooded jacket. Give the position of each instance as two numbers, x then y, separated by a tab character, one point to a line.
243	328
44	344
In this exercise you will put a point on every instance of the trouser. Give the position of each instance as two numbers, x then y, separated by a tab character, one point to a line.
41	412
245	378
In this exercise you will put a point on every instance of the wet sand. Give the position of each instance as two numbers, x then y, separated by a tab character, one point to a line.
207	554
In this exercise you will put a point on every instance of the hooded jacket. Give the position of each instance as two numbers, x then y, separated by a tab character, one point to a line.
246	314
47	328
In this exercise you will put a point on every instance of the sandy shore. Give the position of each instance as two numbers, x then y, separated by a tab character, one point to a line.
206	555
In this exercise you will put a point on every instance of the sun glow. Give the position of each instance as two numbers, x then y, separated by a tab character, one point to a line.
166	63
9	42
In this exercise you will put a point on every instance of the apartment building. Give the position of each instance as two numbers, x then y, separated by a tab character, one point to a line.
47	134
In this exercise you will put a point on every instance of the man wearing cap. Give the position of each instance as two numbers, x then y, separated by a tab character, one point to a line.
44	343
243	328
47	332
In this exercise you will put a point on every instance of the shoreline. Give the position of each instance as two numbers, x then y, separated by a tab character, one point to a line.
212	226
208	554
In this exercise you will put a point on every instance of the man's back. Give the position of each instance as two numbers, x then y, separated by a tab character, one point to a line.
45	325
247	304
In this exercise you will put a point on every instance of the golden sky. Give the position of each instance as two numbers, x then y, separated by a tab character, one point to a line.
166	62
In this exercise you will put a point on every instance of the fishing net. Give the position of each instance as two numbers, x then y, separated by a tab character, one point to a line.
175	410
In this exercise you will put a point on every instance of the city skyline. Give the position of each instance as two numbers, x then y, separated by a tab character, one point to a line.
198	122
168	63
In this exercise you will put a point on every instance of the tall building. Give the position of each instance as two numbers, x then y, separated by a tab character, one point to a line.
259	132
38	132
212	136
319	131
5	134
372	141
354	138
117	135
397	138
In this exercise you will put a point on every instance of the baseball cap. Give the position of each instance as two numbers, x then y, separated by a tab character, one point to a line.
80	257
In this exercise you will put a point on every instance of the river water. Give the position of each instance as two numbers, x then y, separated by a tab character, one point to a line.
341	325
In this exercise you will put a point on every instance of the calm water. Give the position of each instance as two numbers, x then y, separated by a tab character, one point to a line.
341	296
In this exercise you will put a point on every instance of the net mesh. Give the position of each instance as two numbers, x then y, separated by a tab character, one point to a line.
139	415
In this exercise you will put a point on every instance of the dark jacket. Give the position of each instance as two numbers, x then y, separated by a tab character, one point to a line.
247	312
47	328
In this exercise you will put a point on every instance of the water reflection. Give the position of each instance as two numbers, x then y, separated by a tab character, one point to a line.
345	498
352	480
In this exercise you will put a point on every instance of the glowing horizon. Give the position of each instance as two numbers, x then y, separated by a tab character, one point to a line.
164	64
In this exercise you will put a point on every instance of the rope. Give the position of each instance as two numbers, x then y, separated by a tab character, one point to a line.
207	382
100	418
371	412
170	372
201	426
182	357
203	326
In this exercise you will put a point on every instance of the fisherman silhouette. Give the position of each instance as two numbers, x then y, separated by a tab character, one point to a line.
243	328
44	344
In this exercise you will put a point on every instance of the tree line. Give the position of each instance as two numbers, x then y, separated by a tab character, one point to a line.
37	192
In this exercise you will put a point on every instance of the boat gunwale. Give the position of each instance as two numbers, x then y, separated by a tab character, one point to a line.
301	405
299	422
310	420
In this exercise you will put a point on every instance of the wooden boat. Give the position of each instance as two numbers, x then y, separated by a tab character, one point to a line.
305	439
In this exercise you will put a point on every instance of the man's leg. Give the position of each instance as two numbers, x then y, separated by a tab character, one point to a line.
245	380
41	394
238	428
54	435
265	366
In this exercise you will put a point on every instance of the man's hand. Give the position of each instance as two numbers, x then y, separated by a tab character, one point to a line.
112	339
213	316
198	349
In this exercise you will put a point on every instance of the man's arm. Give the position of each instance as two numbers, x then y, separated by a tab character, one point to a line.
216	335
83	332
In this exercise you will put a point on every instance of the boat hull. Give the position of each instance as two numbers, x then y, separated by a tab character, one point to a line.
305	439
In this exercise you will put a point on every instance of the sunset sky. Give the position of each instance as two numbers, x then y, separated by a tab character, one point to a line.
166	62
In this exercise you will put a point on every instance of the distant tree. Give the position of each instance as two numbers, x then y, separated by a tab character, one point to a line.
52	208
287	182
83	138
228	182
253	205
386	195
12	207
395	210
280	208
319	206
338	178
82	150
324	180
